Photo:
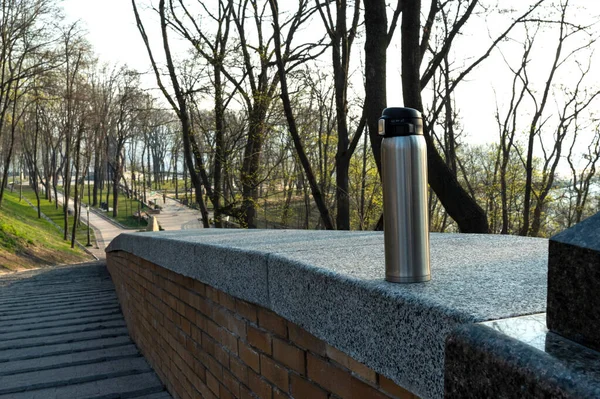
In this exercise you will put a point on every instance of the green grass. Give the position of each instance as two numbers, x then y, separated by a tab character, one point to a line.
169	186
127	207
27	242
56	215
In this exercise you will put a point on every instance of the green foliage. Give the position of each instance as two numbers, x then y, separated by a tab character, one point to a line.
481	176
368	206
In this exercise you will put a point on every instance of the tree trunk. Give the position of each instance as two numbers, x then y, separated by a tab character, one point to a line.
504	194
203	209
251	162
219	146
528	183
117	178
363	188
376	44
175	173
7	165
97	175
76	198
108	180
312	181
66	191
467	214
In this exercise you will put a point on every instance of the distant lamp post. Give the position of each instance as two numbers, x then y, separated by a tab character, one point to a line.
89	244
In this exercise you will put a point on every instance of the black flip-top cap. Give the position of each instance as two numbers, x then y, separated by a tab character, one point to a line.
400	122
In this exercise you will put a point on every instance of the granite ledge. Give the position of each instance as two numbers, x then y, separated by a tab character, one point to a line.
332	284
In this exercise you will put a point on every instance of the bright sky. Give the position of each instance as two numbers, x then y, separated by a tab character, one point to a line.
111	30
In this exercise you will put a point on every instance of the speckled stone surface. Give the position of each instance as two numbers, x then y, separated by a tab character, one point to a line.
332	284
574	283
482	362
242	273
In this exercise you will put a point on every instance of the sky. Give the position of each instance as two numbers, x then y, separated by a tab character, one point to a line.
111	29
112	32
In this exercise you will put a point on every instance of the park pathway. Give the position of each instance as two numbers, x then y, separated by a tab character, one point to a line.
174	215
62	335
105	229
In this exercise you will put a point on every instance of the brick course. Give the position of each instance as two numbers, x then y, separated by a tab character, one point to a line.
205	343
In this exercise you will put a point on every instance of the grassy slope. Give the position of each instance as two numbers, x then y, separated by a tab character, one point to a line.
29	242
56	215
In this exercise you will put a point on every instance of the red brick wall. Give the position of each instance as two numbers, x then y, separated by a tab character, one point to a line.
205	343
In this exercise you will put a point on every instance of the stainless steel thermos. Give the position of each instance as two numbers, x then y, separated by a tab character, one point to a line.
405	213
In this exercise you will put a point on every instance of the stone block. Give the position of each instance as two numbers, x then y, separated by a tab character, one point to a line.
484	363
573	309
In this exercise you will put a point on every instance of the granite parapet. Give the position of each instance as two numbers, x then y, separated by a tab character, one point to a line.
332	284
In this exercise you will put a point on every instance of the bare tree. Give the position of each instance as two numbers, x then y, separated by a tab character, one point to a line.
469	216
23	54
73	53
508	128
102	97
214	51
129	102
300	16
582	177
30	146
572	107
342	37
179	104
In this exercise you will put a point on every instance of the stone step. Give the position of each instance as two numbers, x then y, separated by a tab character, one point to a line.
36	352
129	386
76	310
57	309
35	322
21	336
63	338
55	306
68	359
57	377
20	297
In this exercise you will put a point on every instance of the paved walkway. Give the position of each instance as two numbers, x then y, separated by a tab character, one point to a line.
105	229
62	335
175	216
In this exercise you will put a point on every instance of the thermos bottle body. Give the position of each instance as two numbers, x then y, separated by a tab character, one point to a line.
405	212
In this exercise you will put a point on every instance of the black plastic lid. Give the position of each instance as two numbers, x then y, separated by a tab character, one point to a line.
400	122
398	112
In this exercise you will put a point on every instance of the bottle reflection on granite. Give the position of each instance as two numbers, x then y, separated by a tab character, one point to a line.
529	329
533	331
